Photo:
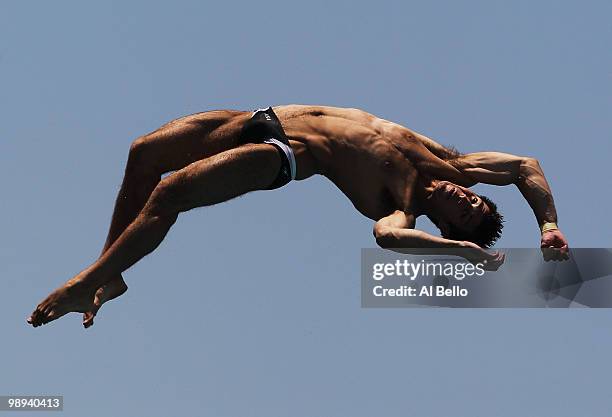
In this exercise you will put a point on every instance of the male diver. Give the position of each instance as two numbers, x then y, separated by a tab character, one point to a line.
390	173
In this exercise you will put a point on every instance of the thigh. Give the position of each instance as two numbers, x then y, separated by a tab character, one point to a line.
194	137
220	177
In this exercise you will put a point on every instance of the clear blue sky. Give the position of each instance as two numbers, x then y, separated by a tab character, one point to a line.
211	324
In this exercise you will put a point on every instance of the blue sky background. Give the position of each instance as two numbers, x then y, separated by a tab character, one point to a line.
211	324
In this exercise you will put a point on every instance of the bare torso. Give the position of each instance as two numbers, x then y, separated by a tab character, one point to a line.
374	162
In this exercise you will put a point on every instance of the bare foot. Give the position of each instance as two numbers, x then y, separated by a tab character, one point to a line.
74	295
111	290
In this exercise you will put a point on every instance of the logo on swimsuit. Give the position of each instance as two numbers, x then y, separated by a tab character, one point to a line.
267	116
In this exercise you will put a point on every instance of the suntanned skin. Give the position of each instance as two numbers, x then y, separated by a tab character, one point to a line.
391	175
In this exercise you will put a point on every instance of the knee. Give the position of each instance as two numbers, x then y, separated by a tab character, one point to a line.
141	159
164	202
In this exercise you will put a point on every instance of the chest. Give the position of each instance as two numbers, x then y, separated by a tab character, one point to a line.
378	187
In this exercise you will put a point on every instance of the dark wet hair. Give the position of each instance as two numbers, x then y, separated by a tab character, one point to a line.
485	234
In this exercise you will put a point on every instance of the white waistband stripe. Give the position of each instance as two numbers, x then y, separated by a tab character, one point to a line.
288	151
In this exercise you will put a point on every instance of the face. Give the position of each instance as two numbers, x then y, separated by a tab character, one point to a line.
458	205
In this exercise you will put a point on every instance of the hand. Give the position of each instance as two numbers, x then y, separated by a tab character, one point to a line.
477	255
554	246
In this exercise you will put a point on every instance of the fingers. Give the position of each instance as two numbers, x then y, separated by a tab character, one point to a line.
563	253
555	254
490	261
547	253
494	261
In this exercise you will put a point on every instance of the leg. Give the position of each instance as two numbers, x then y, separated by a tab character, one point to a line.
206	182
173	146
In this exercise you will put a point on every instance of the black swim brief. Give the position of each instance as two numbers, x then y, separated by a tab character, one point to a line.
264	127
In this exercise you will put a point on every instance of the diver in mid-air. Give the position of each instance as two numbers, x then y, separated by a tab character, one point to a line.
390	173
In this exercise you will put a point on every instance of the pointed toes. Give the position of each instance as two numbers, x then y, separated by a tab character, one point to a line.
34	318
88	319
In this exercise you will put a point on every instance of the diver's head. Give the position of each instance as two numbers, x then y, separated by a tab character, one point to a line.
461	214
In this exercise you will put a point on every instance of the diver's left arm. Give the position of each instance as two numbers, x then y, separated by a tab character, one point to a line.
503	169
396	232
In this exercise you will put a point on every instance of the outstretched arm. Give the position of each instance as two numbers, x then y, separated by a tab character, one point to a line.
396	232
503	169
